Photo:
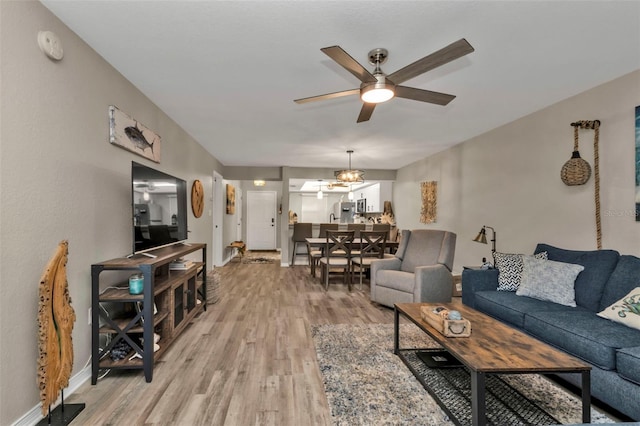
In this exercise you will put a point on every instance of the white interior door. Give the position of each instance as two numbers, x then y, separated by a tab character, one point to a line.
218	212
239	214
261	220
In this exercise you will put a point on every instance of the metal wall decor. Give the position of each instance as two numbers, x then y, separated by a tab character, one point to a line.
129	134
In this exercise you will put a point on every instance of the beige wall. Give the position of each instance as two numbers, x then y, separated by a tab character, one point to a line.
61	179
509	178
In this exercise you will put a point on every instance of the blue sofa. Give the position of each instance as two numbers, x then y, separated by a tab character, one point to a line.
611	348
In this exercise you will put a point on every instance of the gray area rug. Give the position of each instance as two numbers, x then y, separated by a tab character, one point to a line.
261	260
261	256
366	384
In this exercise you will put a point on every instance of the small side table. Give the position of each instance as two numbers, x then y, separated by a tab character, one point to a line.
240	245
457	285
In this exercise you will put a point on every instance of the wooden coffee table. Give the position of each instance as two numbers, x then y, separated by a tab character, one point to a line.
493	348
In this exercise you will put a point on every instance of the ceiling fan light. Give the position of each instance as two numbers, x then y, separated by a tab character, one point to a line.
377	93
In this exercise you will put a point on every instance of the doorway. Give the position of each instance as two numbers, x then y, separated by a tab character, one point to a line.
218	207
261	220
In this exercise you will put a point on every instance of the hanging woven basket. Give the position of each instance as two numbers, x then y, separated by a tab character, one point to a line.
576	171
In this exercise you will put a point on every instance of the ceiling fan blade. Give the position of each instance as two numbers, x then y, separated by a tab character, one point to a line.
328	96
446	54
347	62
423	95
365	112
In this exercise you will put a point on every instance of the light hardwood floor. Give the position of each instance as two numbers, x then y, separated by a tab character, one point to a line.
248	360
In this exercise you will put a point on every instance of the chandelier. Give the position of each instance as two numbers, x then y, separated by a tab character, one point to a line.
350	175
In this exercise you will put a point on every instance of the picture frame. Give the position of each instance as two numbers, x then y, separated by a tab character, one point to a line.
637	192
231	199
129	134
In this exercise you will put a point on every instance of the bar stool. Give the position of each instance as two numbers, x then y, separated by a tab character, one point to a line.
301	231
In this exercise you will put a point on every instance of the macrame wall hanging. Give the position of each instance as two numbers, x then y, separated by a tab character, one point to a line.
429	192
577	171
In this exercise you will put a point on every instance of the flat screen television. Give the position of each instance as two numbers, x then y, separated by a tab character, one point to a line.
159	206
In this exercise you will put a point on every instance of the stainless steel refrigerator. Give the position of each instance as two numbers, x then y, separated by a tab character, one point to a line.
344	211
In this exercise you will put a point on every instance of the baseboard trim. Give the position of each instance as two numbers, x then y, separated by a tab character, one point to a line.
33	416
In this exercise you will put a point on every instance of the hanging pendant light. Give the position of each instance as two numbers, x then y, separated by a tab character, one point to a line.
350	175
319	194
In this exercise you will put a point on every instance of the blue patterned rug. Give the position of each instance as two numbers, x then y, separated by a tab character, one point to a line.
366	384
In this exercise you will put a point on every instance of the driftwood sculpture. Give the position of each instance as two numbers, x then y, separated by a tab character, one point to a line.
55	325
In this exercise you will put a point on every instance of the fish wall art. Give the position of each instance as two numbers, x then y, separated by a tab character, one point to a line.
133	136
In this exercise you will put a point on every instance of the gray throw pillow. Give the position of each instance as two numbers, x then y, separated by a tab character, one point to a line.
509	267
549	280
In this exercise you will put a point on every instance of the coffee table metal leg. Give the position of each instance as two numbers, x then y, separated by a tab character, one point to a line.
478	402
396	331
586	396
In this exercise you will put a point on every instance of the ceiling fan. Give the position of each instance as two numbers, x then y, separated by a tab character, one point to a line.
380	87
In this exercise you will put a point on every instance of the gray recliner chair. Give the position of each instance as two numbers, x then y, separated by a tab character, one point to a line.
420	272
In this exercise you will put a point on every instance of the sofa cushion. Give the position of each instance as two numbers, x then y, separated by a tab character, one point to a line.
397	280
549	280
623	279
510	267
511	308
598	266
626	311
583	334
628	364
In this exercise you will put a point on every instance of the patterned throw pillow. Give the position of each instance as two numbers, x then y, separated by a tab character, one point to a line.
510	269
626	310
549	280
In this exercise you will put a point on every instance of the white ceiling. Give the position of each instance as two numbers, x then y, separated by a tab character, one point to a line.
228	71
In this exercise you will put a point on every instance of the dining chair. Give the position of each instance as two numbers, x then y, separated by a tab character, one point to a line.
314	253
372	246
337	254
301	231
356	227
381	227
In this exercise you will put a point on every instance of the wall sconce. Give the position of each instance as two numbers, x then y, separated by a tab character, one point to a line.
482	237
259	182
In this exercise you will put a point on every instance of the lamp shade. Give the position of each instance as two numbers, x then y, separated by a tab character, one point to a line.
482	236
